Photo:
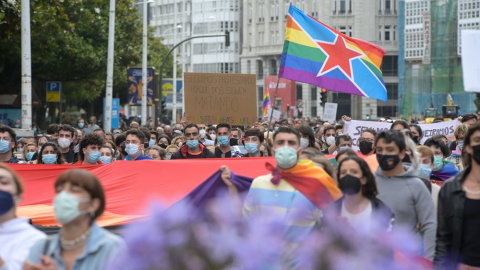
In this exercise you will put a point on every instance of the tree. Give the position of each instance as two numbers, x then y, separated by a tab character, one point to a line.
69	44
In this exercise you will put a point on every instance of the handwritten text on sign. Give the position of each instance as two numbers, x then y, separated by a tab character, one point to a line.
212	98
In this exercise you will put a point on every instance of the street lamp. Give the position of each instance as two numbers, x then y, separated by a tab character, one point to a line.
174	82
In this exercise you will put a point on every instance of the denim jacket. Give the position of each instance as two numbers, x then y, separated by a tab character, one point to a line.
102	246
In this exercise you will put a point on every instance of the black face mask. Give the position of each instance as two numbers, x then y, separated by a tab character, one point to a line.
415	139
146	145
233	141
387	162
407	159
349	184
476	153
365	147
162	145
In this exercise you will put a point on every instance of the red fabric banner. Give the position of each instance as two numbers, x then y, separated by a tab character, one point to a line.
129	185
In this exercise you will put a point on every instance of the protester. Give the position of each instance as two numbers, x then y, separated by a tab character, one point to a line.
322	162
223	137
192	148
120	143
397	183
107	155
7	144
253	139
179	141
168	130
359	206
17	236
134	145
468	119
78	137
456	147
399	125
81	243
171	149
92	126
425	168
441	170
417	133
52	132
163	141
100	132
307	138
108	136
50	154
156	153
458	235
366	142
89	149
65	139
310	153
81	124
329	135
342	141
348	152
212	132
28	151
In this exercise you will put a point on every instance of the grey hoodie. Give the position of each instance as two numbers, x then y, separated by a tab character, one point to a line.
409	199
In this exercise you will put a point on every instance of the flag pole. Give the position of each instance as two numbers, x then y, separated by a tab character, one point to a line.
271	113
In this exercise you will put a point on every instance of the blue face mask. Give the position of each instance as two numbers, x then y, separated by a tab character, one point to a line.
460	145
286	157
223	140
343	148
34	129
105	159
275	128
192	144
4	146
80	125
438	163
49	158
6	202
151	143
94	156
30	155
251	148
424	171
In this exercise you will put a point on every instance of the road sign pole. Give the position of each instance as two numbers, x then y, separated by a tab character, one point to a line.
60	106
26	67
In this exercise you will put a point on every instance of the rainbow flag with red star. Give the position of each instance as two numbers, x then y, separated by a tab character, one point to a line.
266	103
316	54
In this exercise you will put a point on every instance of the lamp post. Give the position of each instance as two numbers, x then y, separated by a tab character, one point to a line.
174	82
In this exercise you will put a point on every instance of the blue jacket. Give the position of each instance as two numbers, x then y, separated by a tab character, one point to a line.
101	247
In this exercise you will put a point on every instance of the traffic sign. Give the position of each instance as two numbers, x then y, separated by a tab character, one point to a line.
53	91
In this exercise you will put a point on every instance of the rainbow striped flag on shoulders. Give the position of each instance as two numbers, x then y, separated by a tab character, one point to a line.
317	54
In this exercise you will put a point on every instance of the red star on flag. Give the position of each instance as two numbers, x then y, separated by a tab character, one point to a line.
338	55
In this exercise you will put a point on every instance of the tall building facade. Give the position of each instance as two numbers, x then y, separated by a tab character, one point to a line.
264	23
430	51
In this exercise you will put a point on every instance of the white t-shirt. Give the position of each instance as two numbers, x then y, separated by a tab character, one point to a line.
362	219
17	236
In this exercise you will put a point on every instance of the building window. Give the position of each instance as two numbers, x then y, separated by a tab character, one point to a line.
390	65
249	68
387	32
342	7
260	13
379	32
260	92
299	91
259	69
272	11
272	34
313	93
250	13
392	91
387	7
273	67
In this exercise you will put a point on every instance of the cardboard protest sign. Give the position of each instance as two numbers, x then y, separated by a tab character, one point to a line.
330	112
470	59
355	128
212	98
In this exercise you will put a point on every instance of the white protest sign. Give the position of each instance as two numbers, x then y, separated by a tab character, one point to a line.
330	112
470	59
276	114
355	128
444	128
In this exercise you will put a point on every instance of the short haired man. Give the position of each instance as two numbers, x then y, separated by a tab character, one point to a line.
7	144
469	118
134	145
404	193
223	137
277	192
93	125
253	140
168	130
342	141
89	149
329	135
441	170
100	132
192	148
237	135
366	142
134	125
120	143
65	139
52	131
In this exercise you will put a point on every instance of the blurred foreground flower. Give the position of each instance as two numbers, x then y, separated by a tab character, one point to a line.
220	238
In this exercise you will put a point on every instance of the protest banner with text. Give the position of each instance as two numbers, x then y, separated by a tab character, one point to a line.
355	128
212	98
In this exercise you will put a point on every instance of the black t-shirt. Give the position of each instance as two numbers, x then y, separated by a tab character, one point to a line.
470	247
220	154
453	146
69	156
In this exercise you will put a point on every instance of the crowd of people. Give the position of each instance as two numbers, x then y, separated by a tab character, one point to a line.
408	190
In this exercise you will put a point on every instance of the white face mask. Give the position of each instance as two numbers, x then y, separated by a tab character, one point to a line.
304	143
213	136
202	133
330	140
64	142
